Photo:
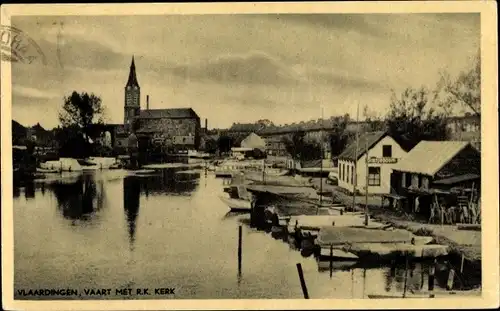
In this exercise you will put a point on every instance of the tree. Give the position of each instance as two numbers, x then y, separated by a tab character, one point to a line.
338	136
224	143
81	110
210	145
300	149
78	114
410	119
465	90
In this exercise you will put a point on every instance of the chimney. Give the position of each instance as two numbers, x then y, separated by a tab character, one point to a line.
206	124
147	102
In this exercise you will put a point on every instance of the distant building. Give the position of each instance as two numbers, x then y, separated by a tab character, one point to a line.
253	141
275	146
383	154
178	128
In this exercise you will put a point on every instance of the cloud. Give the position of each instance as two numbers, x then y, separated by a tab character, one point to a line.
338	78
346	22
255	67
30	92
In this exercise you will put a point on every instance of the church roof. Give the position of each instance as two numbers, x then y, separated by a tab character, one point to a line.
172	113
132	78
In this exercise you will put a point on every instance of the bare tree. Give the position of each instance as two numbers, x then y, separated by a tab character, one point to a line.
465	90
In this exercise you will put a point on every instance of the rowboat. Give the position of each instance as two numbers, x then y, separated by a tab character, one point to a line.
236	205
47	170
143	172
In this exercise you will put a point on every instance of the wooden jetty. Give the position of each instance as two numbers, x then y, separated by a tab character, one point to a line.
377	244
224	174
343	235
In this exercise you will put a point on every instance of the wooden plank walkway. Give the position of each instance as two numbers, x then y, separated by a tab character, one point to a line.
349	235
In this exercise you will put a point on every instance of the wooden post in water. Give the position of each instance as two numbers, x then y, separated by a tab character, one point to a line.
432	271
302	281
462	264
331	260
451	278
406	274
240	238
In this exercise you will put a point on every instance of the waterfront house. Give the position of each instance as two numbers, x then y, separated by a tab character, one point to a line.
383	153
437	167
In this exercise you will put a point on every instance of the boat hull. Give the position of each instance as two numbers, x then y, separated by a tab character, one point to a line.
237	205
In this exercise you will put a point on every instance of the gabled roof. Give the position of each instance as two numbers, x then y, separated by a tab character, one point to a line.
172	113
253	141
428	157
366	140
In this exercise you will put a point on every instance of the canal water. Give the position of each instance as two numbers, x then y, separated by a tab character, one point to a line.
109	230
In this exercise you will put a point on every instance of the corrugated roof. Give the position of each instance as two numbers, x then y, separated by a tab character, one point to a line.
366	140
428	157
171	113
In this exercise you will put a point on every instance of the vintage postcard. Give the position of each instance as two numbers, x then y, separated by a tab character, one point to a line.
249	156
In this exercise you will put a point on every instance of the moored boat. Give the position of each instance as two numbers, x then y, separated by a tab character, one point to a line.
237	205
47	170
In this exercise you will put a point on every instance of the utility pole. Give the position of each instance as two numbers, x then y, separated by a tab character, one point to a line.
355	173
321	163
366	182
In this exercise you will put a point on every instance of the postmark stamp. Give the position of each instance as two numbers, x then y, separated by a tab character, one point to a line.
16	46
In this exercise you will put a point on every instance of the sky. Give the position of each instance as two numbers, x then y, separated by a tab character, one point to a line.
239	68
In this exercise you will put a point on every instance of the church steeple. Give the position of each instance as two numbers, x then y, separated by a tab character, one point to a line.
132	96
132	78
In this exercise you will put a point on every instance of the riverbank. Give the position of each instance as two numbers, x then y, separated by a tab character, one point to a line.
461	242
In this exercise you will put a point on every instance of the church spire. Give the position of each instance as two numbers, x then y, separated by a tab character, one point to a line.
132	78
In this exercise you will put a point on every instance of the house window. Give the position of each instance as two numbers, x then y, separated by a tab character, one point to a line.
352	174
374	176
340	171
425	182
414	180
387	151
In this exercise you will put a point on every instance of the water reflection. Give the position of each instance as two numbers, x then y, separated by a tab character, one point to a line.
170	181
29	190
131	198
79	200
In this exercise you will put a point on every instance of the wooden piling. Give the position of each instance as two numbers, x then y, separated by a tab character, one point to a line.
240	238
432	270
331	260
462	264
302	281
451	278
406	275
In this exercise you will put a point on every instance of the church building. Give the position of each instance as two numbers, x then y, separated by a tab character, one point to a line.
178	128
